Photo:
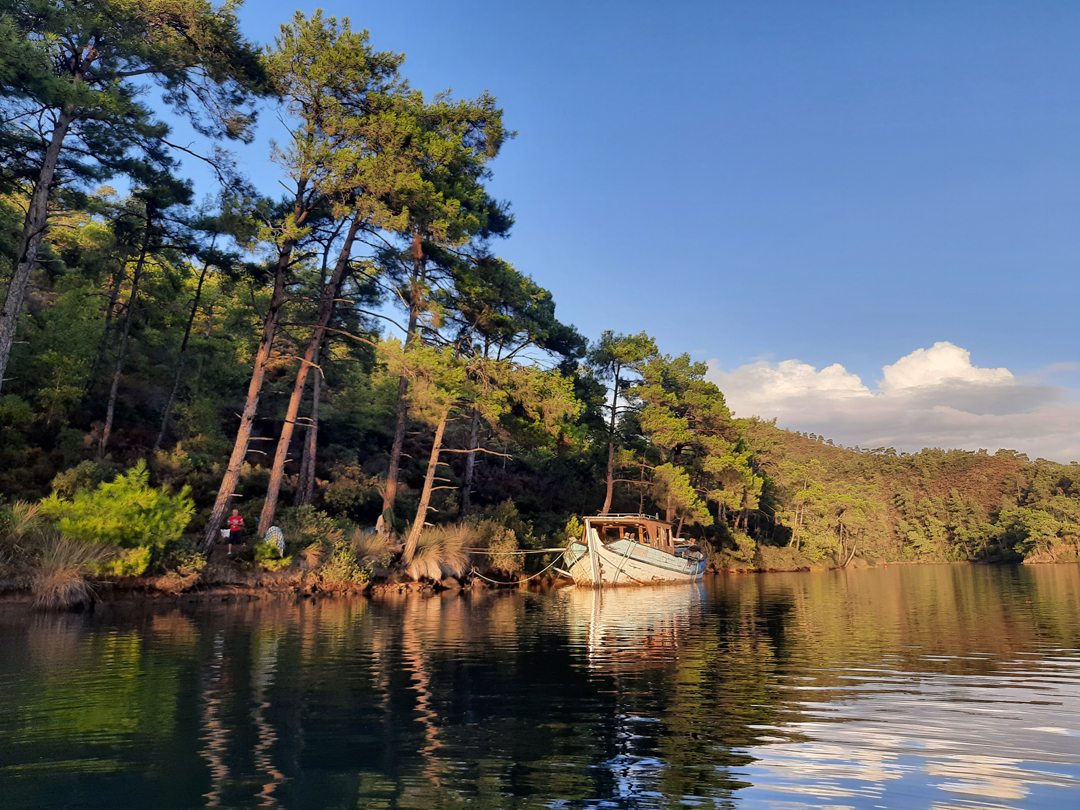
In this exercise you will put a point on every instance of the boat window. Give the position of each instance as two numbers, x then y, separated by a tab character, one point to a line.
631	533
611	534
645	536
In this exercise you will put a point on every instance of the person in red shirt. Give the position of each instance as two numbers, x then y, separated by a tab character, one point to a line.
236	529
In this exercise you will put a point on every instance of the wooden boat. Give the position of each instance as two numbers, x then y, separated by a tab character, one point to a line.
631	550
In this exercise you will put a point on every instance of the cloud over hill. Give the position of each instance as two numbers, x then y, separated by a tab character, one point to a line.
930	398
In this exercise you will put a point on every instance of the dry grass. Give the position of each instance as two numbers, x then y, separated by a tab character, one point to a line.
60	580
20	530
370	545
312	555
439	553
25	518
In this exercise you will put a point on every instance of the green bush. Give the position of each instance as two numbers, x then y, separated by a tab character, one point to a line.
266	555
342	568
126	513
304	525
131	562
184	559
780	558
500	542
85	475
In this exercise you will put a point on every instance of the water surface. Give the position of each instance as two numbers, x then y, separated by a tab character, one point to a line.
939	687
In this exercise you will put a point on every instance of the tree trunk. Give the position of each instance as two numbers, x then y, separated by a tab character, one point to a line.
247	418
470	465
180	360
129	316
305	491
326	309
34	227
425	493
743	519
390	495
851	556
610	491
114	296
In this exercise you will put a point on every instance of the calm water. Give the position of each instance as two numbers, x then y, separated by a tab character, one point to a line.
939	687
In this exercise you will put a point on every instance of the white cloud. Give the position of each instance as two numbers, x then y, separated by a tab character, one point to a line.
941	364
932	397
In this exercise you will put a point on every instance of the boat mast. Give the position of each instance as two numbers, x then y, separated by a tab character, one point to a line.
594	554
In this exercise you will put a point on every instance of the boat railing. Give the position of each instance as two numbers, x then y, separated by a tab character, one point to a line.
627	515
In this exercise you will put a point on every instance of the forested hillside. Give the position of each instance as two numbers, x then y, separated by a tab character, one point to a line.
355	353
832	502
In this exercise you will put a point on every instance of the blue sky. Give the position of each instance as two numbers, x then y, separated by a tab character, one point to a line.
759	182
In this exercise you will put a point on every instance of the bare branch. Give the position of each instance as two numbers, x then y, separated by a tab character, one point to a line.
477	450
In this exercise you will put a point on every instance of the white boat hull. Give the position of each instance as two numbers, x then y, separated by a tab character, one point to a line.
627	563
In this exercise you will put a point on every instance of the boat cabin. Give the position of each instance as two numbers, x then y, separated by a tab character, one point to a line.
642	529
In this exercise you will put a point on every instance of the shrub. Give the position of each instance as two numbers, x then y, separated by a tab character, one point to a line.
353	493
501	542
129	562
184	559
266	555
127	514
371	547
342	569
20	526
304	525
439	552
780	558
86	475
60	575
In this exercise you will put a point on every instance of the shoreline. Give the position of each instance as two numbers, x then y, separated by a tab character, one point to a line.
162	590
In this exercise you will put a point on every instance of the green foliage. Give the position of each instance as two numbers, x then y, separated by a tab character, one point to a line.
127	562
530	439
500	540
127	513
575	529
267	556
87	475
304	525
341	569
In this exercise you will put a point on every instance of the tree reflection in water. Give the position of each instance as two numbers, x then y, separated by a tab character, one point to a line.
950	686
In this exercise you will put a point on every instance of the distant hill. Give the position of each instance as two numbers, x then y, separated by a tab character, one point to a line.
835	504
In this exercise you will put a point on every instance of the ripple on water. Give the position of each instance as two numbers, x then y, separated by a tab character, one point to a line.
944	687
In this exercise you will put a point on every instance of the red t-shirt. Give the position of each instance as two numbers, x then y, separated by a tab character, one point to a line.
236	523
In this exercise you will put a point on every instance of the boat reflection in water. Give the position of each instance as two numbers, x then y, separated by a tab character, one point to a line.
631	628
634	642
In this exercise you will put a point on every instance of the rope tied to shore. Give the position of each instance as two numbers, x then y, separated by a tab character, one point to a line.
476	573
519	551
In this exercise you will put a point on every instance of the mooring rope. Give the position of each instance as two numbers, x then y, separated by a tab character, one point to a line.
518	582
517	551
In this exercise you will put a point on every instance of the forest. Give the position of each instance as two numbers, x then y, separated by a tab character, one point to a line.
352	360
